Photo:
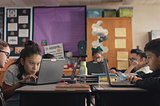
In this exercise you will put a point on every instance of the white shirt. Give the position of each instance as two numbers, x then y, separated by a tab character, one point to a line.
145	69
11	79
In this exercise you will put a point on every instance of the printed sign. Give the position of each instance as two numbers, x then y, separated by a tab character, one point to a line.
56	50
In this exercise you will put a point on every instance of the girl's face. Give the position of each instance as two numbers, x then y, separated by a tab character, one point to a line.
97	57
4	54
31	64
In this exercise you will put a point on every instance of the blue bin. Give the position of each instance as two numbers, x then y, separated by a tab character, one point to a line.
94	13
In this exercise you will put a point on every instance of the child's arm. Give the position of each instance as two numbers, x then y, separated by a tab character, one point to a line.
131	67
151	83
9	91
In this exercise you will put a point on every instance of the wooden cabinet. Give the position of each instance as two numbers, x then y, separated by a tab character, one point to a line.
110	24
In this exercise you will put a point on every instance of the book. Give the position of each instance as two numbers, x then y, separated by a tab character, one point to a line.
77	87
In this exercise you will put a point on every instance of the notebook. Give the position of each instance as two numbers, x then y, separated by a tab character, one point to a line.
95	67
50	71
72	77
116	84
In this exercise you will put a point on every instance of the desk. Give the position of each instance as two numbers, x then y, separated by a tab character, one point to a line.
45	95
124	96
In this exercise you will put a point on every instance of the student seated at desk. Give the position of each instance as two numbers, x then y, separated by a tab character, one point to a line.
4	55
150	81
139	65
97	54
133	56
23	69
48	56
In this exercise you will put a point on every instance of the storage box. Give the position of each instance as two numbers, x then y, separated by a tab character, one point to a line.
94	13
109	12
125	12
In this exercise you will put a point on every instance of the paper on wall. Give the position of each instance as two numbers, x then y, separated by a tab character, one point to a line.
56	50
122	55
12	26
122	65
120	32
23	33
23	19
13	40
120	43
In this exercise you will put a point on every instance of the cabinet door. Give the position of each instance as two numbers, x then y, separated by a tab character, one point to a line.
110	24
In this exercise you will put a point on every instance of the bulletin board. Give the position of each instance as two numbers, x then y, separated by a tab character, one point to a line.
1	23
62	24
18	28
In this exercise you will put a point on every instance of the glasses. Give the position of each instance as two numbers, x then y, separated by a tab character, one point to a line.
131	59
6	53
97	57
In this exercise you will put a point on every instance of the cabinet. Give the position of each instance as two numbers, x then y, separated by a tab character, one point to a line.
110	23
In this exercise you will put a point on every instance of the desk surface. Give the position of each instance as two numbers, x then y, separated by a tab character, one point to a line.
105	87
42	88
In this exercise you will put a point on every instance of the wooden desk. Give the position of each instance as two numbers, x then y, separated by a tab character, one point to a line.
45	95
124	96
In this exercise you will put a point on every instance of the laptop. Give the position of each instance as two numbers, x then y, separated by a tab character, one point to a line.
95	67
116	84
72	77
50	71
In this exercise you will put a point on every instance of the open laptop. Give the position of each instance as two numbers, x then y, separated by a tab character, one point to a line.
71	79
95	67
116	84
50	71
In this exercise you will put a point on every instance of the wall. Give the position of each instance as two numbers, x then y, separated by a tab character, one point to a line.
145	18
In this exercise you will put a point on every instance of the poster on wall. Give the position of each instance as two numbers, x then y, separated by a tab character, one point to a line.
18	28
56	50
2	23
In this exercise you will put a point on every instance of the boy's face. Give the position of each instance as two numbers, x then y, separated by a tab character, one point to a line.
153	61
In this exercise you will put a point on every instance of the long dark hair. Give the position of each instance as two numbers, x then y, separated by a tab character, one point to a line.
30	48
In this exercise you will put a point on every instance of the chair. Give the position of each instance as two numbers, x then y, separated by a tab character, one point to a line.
2	101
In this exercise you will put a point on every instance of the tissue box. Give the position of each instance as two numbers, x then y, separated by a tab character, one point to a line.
125	12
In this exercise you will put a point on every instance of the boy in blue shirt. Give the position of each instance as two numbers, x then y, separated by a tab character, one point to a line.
150	81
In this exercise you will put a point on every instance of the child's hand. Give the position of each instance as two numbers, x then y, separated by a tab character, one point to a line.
113	71
29	78
132	78
134	63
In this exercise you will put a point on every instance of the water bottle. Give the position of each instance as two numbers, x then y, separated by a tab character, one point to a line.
83	68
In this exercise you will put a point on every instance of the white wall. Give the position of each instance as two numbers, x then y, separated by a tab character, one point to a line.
145	18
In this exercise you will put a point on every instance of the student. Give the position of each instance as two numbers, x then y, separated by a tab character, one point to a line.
23	69
133	55
97	54
48	56
139	64
150	81
4	53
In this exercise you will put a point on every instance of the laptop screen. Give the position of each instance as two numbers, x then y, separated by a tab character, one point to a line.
106	68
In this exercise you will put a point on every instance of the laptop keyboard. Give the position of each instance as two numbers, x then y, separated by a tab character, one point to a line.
122	83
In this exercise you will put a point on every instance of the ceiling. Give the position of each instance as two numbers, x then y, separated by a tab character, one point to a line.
22	3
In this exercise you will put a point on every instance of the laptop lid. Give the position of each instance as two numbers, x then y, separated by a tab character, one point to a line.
50	71
95	67
116	84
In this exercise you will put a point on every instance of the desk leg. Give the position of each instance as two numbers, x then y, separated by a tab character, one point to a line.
88	99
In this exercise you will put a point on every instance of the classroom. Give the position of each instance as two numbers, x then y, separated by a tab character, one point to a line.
93	44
